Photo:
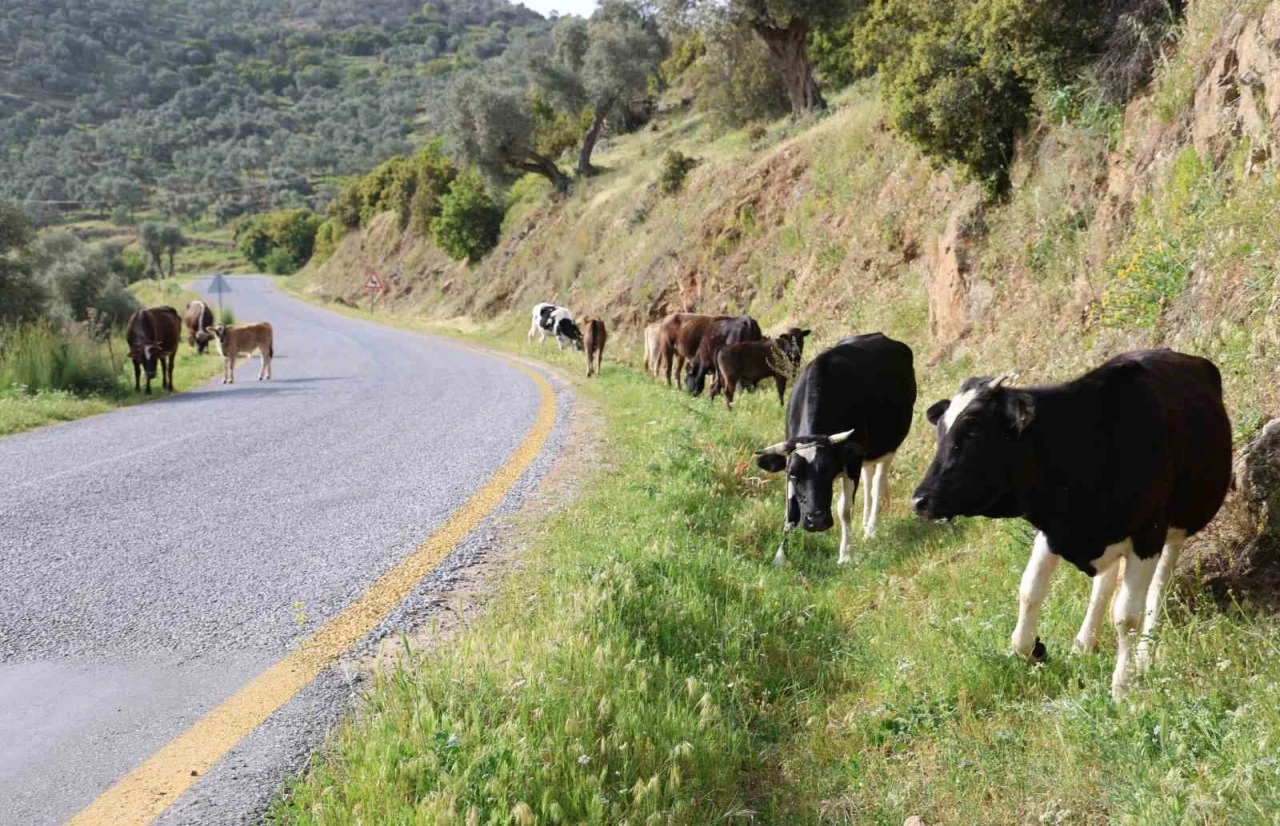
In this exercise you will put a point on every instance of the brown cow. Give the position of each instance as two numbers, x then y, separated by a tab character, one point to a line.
653	348
153	335
681	336
594	340
729	331
198	319
245	338
749	362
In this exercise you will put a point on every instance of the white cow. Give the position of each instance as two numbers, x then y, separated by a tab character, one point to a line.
549	318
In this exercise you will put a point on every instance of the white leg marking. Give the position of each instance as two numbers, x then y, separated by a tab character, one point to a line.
1104	587
1155	594
845	508
1031	594
879	493
865	478
1126	614
780	558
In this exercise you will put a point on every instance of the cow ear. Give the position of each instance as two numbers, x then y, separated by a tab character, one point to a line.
1021	408
771	462
935	411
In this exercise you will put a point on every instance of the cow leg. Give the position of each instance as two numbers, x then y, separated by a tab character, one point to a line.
1104	587
137	377
1151	618
262	366
1034	588
877	493
781	384
729	387
1126	614
169	370
844	507
865	476
790	519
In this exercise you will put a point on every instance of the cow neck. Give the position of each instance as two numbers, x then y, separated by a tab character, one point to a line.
1050	480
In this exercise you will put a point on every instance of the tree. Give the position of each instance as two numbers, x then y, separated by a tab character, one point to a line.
21	296
492	129
151	239
784	26
599	65
470	223
173	240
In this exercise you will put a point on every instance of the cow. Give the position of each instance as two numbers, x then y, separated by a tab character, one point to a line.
848	414
681	336
198	319
558	321
595	338
243	339
726	331
653	348
153	335
1123	463
750	362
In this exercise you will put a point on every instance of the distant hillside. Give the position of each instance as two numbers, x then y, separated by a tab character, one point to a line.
231	104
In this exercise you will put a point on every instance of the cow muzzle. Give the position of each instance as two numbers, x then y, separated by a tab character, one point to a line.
817	521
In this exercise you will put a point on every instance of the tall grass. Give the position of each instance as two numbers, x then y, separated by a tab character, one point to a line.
226	317
39	357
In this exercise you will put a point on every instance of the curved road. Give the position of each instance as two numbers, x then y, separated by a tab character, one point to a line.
155	559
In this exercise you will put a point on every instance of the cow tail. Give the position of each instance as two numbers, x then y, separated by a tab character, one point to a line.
271	349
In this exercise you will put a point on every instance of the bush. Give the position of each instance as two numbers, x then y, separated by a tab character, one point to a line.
226	317
283	239
1144	284
328	237
279	262
675	168
411	187
470	222
39	357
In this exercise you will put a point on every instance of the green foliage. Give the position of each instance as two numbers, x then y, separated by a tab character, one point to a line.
279	242
556	131
37	357
675	168
1143	284
227	317
470	222
409	186
735	80
328	235
22	297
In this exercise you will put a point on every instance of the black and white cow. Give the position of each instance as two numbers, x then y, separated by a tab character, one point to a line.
1123	463
849	411
557	321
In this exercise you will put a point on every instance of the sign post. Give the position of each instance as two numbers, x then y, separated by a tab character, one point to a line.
373	286
219	285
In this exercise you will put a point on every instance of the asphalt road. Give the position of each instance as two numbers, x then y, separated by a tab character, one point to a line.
155	559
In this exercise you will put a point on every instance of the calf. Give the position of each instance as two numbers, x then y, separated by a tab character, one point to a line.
243	339
198	319
153	336
558	321
849	412
720	333
594	340
681	336
653	348
1124	463
750	362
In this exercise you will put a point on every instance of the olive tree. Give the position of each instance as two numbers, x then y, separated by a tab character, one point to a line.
492	128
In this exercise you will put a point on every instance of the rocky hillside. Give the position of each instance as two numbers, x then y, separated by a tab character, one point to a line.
1148	226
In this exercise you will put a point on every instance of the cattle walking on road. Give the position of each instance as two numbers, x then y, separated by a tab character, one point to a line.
153	335
595	339
198	320
243	339
848	414
1114	470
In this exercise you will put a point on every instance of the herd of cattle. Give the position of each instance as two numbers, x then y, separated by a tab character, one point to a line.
1114	469
153	335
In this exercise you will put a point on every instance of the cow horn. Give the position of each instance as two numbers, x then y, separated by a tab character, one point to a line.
841	437
999	380
779	449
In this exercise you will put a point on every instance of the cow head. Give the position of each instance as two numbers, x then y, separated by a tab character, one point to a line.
980	451
202	341
148	355
220	332
813	464
791	345
544	316
569	330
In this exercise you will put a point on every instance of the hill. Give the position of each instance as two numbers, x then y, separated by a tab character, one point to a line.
238	105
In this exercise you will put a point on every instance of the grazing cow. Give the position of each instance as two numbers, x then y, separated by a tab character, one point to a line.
653	348
727	331
594	340
750	362
153	335
243	339
558	321
681	336
849	412
198	319
1123	463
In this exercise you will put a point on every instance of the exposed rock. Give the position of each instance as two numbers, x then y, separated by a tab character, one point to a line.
914	820
950	268
1257	473
1240	92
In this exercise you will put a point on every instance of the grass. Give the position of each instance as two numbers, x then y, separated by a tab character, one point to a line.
649	665
48	377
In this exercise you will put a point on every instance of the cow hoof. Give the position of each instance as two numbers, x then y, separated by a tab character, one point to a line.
1084	647
1038	652
844	560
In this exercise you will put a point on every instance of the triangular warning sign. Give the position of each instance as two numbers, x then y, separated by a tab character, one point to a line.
219	285
373	282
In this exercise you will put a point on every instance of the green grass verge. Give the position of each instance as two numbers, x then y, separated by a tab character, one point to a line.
20	410
649	665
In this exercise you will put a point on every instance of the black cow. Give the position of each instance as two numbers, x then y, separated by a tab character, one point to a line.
849	412
1126	461
719	335
152	335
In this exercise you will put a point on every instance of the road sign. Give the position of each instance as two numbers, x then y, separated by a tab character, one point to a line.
373	283
219	285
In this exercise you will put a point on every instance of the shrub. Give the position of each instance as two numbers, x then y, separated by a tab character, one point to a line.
279	262
269	239
328	236
756	131
39	357
675	168
226	317
1144	284
469	222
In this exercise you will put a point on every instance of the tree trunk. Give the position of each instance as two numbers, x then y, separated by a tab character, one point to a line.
589	143
787	47
544	166
171	262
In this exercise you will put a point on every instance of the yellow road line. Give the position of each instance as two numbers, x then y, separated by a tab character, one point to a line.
141	795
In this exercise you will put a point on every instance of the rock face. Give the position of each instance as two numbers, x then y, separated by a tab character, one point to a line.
1240	92
1258	475
950	270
